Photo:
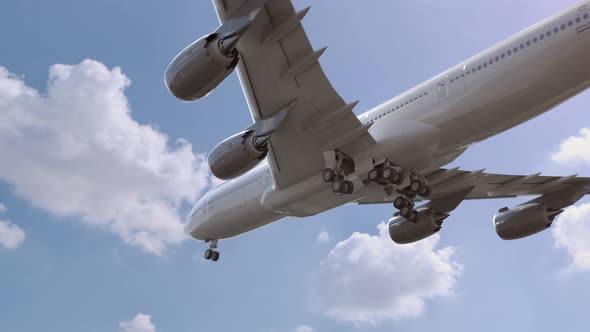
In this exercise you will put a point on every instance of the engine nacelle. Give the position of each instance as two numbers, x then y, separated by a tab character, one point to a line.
523	220
403	231
201	67
238	154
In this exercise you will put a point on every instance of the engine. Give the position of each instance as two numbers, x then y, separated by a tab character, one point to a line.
403	231
523	220
202	66
238	154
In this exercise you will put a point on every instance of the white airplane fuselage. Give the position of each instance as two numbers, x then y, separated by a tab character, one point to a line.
425	127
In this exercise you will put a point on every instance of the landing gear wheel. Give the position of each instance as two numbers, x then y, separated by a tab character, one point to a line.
338	186
400	202
425	192
413	216
391	174
406	211
416	186
348	187
329	175
215	257
374	175
208	254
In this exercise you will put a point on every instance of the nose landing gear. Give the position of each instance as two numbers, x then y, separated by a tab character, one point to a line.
211	253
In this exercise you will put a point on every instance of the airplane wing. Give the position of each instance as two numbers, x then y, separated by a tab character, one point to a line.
279	70
471	185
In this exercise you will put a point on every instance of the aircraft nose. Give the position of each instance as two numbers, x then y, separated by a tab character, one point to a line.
195	228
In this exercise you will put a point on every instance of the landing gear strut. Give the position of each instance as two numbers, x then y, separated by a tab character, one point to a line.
211	253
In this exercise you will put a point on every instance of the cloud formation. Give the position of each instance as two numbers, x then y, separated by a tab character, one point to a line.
368	278
75	151
323	237
11	236
141	323
303	328
571	232
575	149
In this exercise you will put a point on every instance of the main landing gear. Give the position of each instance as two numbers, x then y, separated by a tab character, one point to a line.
343	166
339	185
390	177
211	253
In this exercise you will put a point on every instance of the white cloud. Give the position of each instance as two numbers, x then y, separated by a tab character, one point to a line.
575	149
303	328
571	232
367	279
11	236
323	237
75	151
141	323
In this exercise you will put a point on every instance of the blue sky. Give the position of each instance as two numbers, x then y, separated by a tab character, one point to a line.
88	260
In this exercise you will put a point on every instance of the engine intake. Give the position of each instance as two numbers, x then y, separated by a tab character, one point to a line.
403	231
202	66
523	220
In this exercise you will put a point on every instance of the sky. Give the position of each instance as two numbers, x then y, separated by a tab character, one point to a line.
99	166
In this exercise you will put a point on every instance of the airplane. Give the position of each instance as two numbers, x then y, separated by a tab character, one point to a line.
307	152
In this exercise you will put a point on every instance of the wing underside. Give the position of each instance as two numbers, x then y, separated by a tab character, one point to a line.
481	185
279	69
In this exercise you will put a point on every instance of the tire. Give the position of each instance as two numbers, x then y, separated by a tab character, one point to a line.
399	203
387	173
425	192
416	186
338	186
405	212
374	175
215	257
328	175
413	216
208	254
348	187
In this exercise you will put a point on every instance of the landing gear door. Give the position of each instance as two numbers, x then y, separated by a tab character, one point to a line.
442	89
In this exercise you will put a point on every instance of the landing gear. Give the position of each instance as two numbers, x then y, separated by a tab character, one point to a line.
406	207
211	253
337	175
386	175
418	186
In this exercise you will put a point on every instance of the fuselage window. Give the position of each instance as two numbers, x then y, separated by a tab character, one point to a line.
586	16
570	23
556	30
479	67
515	49
528	43
578	20
522	46
535	40
542	37
548	33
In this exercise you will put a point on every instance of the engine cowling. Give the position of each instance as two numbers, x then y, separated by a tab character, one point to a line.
202	66
403	231
238	154
523	220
